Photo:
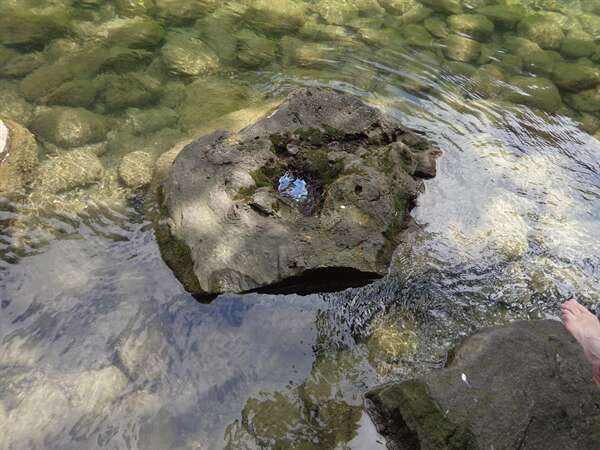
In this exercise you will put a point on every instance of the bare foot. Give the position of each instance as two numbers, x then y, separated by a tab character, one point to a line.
585	327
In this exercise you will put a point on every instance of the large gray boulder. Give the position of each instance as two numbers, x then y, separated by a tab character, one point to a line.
521	386
319	188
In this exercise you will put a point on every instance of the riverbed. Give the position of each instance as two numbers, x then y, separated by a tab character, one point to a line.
100	345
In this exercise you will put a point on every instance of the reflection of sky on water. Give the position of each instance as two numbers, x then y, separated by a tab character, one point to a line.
292	187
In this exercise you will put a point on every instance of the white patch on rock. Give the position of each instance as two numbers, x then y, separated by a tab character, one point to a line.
3	141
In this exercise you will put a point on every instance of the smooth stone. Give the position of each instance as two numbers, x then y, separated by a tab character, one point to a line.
445	6
475	26
186	55
255	50
504	16
491	396
535	92
584	101
135	170
462	49
541	30
69	170
70	127
575	77
139	33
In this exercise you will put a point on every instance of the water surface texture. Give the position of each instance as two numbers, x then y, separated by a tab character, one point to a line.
100	346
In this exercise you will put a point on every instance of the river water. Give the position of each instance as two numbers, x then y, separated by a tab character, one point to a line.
101	347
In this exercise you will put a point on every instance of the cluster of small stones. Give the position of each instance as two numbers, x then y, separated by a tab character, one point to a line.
125	76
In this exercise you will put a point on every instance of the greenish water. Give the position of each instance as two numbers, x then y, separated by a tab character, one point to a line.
100	347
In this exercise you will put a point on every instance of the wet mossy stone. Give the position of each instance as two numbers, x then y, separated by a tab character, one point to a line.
182	12
18	157
536	92
77	93
68	171
184	54
491	396
540	62
445	6
139	33
504	16
578	45
133	8
22	64
255	50
417	36
488	81
25	26
328	169
462	49
584	101
542	30
282	16
436	26
475	26
135	169
69	127
575	77
128	91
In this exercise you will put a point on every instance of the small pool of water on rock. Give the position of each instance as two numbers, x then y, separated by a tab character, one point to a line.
292	187
100	347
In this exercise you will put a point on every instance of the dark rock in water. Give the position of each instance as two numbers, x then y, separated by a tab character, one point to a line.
318	190
525	385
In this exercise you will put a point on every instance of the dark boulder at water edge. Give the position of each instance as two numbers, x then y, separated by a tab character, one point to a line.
314	196
521	386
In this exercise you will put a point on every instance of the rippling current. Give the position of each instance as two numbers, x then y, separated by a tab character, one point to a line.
101	347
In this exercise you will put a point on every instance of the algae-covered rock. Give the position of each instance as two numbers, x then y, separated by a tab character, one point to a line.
417	36
445	6
67	171
83	65
488	81
584	101
136	169
186	55
18	157
299	53
182	12
437	27
218	30
504	16
398	7
542	30
76	93
590	23
142	121
334	209
13	106
540	62
575	77
69	127
282	16
22	64
578	44
129	91
415	15
131	8
139	33
207	99
255	50
476	26
535	92
491	396
23	25
462	49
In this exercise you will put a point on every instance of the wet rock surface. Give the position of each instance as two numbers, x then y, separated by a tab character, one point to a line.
18	157
323	184
491	396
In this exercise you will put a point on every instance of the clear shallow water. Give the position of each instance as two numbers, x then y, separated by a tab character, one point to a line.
100	347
